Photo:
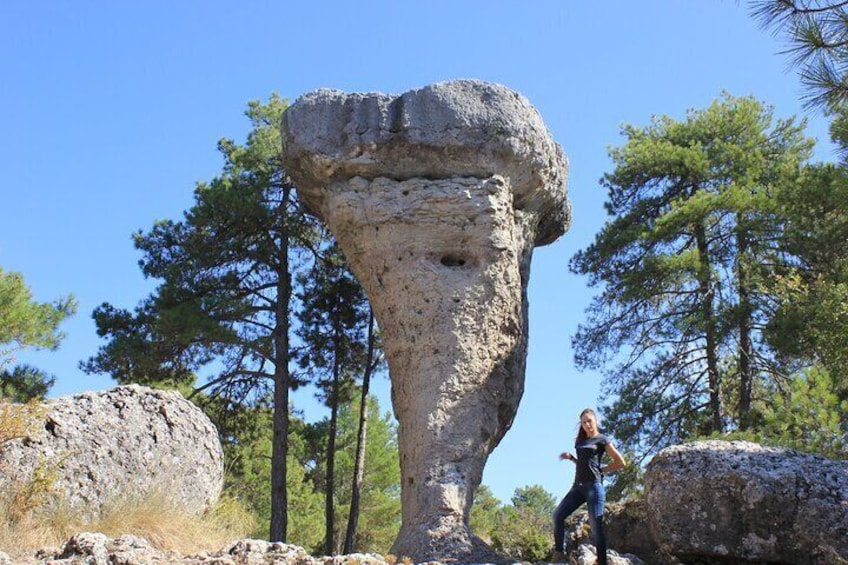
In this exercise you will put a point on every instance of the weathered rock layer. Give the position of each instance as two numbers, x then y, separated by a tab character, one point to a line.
99	447
437	198
735	502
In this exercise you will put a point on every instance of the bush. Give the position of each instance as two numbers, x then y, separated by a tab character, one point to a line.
523	534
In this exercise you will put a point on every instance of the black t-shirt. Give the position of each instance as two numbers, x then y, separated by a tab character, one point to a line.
589	454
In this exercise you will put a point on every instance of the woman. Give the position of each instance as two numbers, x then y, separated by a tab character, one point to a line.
588	487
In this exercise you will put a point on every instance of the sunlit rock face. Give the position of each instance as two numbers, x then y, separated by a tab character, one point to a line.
100	449
437	198
740	502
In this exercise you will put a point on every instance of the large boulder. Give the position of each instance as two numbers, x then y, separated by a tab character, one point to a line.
740	502
437	197
99	447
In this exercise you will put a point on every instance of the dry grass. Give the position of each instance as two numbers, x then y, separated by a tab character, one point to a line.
159	519
155	517
17	420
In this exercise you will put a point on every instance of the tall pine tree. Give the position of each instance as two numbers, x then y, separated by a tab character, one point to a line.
225	301
334	324
677	322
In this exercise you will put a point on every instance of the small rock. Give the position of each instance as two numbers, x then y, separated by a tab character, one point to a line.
587	555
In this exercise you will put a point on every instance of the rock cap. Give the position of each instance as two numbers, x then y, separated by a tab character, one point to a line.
449	129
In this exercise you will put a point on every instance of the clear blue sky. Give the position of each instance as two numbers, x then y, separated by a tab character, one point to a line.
110	112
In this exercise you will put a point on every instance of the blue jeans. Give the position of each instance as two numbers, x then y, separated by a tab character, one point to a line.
594	495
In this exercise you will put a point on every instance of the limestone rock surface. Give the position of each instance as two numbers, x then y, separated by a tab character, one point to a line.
437	198
127	441
461	128
739	502
89	548
585	554
625	526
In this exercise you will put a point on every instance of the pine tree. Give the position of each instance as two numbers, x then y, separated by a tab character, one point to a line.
225	300
334	330
816	32
677	322
25	322
24	383
380	497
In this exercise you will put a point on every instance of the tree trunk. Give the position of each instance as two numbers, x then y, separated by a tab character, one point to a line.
282	381
711	339
361	438
329	489
745	346
279	448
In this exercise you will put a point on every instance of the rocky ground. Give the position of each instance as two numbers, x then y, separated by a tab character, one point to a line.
97	549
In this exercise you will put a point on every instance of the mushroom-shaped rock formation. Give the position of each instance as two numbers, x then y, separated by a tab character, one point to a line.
437	198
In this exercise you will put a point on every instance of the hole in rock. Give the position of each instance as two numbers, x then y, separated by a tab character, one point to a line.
452	261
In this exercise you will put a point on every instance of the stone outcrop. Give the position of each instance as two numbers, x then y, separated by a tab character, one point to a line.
437	198
739	502
585	554
89	548
97	447
98	549
626	532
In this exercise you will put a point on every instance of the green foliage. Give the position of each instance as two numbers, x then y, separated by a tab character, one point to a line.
247	434
26	323
534	499
808	416
523	535
225	301
522	529
816	32
24	383
811	323
224	268
627	483
379	519
484	513
680	265
334	324
141	348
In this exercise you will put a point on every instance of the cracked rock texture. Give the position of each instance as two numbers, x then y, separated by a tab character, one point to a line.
437	197
740	502
97	447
